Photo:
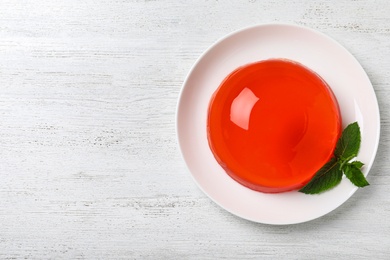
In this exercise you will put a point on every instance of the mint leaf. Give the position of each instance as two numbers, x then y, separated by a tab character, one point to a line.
326	178
357	164
348	145
330	174
355	175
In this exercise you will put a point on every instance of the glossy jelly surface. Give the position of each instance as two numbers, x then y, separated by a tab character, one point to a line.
272	125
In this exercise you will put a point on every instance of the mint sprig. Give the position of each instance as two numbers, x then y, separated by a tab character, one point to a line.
331	173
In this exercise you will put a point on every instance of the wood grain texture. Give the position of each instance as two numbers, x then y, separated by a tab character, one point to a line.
89	163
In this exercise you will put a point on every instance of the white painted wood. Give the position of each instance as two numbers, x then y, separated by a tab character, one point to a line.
89	162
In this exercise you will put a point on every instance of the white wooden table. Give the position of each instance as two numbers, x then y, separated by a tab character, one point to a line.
89	163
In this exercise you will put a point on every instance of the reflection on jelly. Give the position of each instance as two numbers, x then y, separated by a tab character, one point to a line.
272	125
241	108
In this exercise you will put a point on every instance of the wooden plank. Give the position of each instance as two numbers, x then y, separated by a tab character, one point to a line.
89	162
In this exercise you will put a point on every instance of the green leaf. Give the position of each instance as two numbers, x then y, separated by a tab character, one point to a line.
331	173
355	175
348	145
326	178
357	164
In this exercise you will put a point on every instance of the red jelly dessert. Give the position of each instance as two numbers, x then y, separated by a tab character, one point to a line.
273	124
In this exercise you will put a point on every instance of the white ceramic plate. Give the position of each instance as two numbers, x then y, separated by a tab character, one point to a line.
320	53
